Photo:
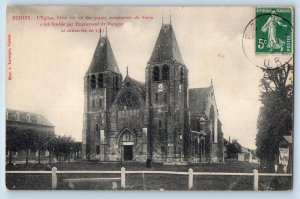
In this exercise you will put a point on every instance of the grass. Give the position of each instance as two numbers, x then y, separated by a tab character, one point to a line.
147	181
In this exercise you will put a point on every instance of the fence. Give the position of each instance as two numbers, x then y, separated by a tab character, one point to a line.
123	173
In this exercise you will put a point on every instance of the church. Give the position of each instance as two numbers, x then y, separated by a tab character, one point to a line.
161	118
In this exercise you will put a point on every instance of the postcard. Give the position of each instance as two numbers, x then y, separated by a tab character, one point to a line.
149	98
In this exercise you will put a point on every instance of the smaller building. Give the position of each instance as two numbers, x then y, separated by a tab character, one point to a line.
18	124
245	155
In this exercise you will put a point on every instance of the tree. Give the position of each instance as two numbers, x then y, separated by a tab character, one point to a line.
41	139
67	142
12	141
233	149
77	148
63	146
27	141
276	114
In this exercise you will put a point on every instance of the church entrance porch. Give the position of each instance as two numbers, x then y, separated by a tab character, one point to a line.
126	144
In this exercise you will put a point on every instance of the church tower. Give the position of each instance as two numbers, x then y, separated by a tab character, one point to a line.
101	83
166	99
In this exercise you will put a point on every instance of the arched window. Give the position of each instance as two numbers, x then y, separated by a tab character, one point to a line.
163	149
100	80
165	97
195	125
165	72
129	100
127	137
93	103
159	124
212	122
181	75
155	73
92	81
100	103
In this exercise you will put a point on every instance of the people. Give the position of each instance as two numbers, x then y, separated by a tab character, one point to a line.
48	167
148	162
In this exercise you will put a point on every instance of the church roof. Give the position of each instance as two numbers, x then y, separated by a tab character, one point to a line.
131	85
166	47
136	83
198	98
103	58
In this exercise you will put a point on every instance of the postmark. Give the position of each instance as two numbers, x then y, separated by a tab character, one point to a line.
268	38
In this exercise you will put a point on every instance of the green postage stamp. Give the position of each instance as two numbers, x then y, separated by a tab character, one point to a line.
274	30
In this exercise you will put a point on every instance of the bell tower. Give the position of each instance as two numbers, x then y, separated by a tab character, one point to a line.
101	83
166	99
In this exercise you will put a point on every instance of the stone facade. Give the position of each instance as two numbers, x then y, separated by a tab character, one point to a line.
127	120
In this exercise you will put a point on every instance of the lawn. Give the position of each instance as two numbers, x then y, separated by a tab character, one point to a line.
147	181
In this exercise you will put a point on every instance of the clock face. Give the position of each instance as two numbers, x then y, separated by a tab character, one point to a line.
160	87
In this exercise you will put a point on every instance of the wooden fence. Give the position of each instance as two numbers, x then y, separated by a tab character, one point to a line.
123	173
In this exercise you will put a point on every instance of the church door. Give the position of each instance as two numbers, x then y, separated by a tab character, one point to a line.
127	143
128	152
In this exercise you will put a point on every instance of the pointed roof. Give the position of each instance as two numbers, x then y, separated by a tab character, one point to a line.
135	83
200	97
103	58
166	47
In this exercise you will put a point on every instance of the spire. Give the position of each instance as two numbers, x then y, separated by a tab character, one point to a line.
106	31
103	58
211	81
170	17
162	17
127	71
166	46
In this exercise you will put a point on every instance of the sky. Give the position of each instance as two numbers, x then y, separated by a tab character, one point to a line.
48	65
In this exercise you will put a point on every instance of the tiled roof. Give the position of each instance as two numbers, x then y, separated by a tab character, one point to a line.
27	117
136	83
198	98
